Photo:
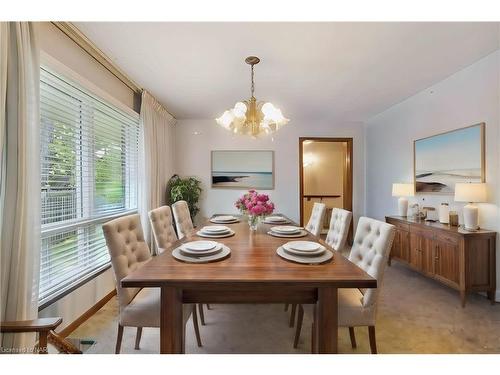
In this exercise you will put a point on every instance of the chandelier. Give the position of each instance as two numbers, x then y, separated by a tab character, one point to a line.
250	116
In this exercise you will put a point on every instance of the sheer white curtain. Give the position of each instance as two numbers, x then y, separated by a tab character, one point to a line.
20	177
156	164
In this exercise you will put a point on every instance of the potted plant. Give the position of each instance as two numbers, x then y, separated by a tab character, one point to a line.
184	189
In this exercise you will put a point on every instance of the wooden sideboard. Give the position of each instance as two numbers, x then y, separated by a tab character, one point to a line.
458	258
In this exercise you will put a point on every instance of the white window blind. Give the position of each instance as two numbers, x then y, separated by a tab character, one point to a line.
89	159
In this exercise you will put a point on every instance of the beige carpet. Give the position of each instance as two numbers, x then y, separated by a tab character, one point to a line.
416	315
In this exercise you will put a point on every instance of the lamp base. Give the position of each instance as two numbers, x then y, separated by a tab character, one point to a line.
403	206
471	217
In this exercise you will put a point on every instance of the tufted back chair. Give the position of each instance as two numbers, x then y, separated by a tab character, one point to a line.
128	251
339	228
316	220
370	250
163	227
182	217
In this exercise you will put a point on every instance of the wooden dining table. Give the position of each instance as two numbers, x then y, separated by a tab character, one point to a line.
253	273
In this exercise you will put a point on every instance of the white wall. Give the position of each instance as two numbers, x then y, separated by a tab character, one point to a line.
193	159
468	97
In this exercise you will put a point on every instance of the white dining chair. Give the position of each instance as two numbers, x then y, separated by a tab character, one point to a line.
315	222
163	227
182	217
138	307
314	226
339	228
358	307
164	235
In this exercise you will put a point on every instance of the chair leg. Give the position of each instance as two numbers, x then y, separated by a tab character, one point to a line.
138	338
286	306
202	315
300	319
373	341
292	315
119	339
196	327
208	307
353	337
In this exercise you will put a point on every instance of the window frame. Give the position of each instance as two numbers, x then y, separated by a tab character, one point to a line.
79	222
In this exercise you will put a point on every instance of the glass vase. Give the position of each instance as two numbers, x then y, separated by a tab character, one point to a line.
253	222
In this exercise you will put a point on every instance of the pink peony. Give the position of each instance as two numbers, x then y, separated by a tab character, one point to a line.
253	203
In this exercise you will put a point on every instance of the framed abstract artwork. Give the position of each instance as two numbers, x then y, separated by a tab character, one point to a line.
442	160
241	169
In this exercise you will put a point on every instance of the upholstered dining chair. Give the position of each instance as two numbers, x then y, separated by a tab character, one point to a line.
314	225
164	235
129	251
358	307
163	227
183	222
315	222
336	238
339	228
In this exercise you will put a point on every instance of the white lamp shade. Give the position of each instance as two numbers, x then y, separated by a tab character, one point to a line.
402	190
470	192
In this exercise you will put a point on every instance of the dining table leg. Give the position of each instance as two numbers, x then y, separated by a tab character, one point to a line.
326	321
171	321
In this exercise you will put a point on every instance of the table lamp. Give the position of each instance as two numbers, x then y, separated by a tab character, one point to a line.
471	193
403	191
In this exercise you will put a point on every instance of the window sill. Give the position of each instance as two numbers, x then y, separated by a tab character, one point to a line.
71	288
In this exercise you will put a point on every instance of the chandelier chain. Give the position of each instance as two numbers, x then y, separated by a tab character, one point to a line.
253	84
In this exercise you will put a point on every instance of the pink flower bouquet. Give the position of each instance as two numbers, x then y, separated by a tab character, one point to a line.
256	206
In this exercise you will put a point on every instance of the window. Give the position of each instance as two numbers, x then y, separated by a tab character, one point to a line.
89	151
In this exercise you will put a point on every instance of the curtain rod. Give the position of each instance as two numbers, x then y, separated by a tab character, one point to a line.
72	32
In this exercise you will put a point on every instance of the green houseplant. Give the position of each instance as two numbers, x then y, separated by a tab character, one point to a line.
187	189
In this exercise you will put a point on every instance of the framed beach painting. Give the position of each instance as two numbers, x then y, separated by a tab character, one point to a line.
444	159
240	169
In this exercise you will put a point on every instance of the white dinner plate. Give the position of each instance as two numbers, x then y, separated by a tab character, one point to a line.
284	221
222	254
215	235
215	221
190	252
326	256
304	246
199	245
275	219
314	253
213	229
286	229
225	218
301	233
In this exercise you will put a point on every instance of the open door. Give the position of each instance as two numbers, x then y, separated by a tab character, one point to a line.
325	170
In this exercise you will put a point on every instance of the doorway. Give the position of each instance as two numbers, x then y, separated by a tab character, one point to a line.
325	172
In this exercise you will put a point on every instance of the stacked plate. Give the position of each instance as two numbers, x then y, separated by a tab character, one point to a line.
201	252
305	252
215	231
224	219
276	220
287	231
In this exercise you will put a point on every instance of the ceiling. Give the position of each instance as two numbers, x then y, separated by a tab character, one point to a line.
337	71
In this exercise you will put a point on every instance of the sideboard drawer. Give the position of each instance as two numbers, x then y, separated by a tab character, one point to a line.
419	231
399	225
449	238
